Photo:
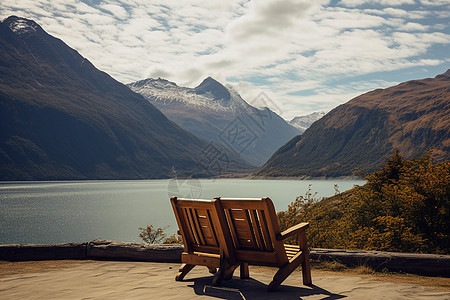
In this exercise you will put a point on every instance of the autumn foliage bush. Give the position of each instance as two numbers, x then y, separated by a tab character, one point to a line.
403	207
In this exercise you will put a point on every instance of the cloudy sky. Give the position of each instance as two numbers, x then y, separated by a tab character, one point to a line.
306	55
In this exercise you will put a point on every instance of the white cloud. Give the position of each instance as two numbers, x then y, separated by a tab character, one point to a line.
410	26
397	12
286	48
118	11
435	2
354	3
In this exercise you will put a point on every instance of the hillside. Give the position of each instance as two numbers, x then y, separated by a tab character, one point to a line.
61	118
412	117
403	207
218	113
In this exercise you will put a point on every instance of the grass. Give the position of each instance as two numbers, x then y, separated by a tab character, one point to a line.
334	267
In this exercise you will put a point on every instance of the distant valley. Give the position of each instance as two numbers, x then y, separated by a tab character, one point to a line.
218	113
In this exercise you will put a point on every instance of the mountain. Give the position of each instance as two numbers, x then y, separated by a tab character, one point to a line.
218	113
304	122
412	117
61	118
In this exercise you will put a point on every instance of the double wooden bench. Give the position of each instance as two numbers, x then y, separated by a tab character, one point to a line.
223	234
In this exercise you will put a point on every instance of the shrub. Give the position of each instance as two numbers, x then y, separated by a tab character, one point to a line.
404	207
152	236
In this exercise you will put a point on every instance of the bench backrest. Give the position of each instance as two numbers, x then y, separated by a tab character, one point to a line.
253	226
200	227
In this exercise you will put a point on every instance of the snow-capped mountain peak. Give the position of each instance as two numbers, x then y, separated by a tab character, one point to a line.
217	90
21	25
159	83
303	122
210	95
219	114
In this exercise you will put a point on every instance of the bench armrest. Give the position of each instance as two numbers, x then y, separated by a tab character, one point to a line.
292	231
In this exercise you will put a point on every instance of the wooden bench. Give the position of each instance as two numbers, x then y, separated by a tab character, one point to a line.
227	233
204	242
257	239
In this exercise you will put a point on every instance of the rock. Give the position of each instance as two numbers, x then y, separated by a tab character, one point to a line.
101	249
421	264
21	252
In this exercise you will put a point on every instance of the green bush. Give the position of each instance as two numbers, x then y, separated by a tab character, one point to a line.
402	207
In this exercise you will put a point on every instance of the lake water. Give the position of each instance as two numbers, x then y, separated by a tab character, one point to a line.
81	211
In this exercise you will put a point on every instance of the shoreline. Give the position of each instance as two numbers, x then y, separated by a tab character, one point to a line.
301	178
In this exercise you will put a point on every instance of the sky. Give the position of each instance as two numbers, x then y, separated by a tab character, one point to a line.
302	55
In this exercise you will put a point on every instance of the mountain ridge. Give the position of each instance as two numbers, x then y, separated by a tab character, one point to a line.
413	117
218	113
62	118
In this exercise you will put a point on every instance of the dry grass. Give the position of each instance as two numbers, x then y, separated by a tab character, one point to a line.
334	267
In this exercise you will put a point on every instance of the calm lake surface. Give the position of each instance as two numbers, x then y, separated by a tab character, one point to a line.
81	211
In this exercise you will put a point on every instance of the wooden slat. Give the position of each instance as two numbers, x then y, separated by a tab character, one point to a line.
292	250
206	249
242	229
209	241
213	229
179	216
195	217
206	227
257	257
200	253
257	229
250	229
224	236
291	247
207	234
237	214
245	243
228	203
243	234
203	221
267	239
196	203
202	260
240	224
232	228
190	225
201	213
274	231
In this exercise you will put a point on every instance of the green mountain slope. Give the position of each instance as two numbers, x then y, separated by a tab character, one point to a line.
61	118
412	117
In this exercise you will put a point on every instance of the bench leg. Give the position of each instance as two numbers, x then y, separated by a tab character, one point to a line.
184	269
306	268
285	271
229	273
212	270
217	280
244	271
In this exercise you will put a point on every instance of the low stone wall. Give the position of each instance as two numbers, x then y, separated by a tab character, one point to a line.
97	249
100	249
422	264
22	252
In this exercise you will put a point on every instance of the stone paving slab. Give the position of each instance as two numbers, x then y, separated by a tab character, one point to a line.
149	280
